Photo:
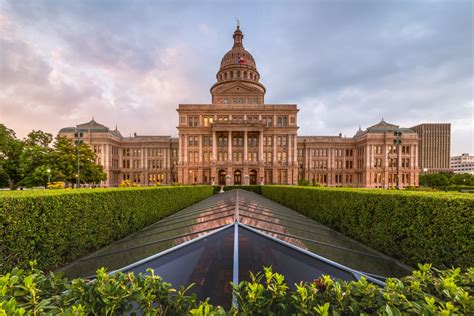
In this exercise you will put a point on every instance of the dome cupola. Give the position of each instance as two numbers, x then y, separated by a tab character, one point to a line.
237	67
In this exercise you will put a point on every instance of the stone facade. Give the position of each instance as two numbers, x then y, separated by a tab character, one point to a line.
239	139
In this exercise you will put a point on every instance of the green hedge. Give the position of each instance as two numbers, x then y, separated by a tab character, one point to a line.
251	188
414	227
57	226
425	292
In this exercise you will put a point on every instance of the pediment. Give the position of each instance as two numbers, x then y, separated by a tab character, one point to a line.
238	89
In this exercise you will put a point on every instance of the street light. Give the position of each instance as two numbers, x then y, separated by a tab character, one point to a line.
425	170
78	141
398	141
49	175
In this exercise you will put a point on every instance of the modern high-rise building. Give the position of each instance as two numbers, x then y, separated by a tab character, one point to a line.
435	146
240	139
462	164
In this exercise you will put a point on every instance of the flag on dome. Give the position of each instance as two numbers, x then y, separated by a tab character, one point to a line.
241	61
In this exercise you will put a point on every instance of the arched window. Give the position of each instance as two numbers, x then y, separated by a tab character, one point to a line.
245	75
238	74
225	76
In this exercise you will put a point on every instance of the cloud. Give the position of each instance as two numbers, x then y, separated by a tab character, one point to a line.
131	63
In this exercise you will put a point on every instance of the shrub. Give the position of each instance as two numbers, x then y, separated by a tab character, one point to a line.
57	226
425	292
128	184
303	182
56	185
411	226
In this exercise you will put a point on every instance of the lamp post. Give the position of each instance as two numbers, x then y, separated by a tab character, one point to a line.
78	142
398	141
49	175
425	170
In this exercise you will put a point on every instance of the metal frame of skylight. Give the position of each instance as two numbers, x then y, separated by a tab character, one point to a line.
278	215
153	243
310	224
180	215
175	228
181	220
235	277
357	274
322	243
338	237
260	231
294	215
285	211
164	252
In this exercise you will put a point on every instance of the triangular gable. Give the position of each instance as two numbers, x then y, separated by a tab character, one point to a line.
237	89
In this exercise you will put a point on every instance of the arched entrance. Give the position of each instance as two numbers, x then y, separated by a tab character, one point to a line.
237	177
222	174
253	176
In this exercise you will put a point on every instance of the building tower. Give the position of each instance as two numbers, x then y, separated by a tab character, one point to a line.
238	139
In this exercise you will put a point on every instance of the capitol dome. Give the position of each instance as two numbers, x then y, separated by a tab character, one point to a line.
238	63
238	55
238	78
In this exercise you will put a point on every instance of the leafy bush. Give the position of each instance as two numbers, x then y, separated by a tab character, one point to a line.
461	188
425	292
303	182
57	226
411	226
128	184
56	185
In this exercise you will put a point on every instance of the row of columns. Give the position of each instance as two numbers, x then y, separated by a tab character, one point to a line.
292	147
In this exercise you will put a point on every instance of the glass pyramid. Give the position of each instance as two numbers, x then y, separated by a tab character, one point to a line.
222	238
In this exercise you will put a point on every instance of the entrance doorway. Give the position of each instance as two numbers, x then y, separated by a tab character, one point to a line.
222	174
253	176
237	177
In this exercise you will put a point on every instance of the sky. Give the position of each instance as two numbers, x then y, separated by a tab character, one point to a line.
130	63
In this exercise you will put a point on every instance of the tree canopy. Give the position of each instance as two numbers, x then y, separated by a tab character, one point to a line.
36	159
442	180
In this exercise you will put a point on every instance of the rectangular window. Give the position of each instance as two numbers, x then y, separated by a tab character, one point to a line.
252	118
348	164
237	156
268	121
193	121
126	164
207	141
207	120
282	121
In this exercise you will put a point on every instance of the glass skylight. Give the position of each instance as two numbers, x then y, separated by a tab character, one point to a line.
199	245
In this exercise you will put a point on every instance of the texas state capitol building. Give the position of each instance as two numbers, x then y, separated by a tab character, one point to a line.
239	139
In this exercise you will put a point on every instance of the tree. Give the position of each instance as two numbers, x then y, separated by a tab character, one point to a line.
462	179
435	180
36	159
10	155
65	162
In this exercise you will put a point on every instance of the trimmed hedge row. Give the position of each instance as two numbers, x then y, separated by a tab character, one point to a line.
414	227
54	227
425	292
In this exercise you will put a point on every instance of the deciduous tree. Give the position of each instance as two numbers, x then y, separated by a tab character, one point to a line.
11	149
